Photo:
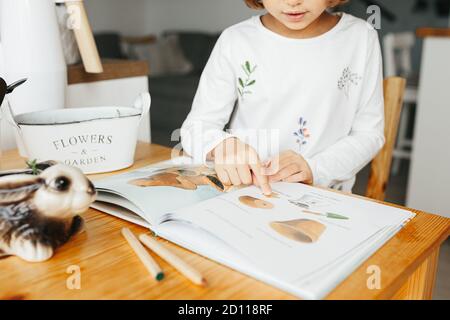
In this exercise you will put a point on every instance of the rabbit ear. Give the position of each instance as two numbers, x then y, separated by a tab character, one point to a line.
15	172
38	168
16	188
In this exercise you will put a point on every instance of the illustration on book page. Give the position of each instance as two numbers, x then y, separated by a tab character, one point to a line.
180	177
301	230
313	203
256	203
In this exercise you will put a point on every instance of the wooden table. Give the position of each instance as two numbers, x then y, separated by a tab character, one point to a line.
110	270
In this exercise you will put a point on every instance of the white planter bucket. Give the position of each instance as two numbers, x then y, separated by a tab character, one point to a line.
95	139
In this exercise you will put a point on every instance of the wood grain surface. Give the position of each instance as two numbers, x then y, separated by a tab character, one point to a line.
433	32
112	69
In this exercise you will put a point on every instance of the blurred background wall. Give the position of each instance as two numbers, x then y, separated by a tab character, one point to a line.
139	17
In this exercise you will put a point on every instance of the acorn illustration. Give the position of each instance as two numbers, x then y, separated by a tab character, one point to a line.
301	230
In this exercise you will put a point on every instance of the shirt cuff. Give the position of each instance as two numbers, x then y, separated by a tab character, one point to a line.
313	166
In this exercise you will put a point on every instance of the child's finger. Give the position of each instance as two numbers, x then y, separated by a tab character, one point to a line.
262	179
276	164
244	174
234	176
298	177
222	175
284	173
254	180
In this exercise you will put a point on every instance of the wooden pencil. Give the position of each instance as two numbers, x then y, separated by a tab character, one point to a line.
184	268
144	256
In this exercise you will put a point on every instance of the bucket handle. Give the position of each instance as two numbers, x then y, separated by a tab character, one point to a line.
10	116
143	102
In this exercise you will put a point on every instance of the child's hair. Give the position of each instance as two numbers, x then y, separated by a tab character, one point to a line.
258	4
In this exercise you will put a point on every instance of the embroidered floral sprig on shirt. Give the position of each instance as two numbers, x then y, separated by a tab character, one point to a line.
244	84
347	79
302	134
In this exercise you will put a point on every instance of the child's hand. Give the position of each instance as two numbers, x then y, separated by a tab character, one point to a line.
237	163
289	166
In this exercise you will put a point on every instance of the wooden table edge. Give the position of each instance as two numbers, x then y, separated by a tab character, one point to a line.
393	289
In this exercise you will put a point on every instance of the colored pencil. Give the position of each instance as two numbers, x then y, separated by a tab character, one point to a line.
144	256
184	268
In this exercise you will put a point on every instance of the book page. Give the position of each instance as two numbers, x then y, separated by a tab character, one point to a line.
295	232
160	189
120	212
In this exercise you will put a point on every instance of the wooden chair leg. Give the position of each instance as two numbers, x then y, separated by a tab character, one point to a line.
420	284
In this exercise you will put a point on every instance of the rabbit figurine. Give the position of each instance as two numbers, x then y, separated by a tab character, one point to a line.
39	213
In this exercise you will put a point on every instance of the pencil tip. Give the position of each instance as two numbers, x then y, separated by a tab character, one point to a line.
160	276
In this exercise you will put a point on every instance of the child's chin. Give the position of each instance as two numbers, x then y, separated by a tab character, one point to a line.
296	26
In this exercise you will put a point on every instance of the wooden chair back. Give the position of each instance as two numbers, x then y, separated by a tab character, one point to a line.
394	88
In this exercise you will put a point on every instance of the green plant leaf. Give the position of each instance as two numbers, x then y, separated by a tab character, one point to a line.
245	70
241	82
251	83
33	166
247	66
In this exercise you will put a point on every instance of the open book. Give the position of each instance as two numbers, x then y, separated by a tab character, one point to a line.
303	240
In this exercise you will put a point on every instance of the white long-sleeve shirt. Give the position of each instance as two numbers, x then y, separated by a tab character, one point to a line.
321	97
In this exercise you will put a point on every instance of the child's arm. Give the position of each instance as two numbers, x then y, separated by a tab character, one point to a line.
349	155
202	134
213	104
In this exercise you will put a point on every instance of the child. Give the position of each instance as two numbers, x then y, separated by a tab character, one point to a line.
312	77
